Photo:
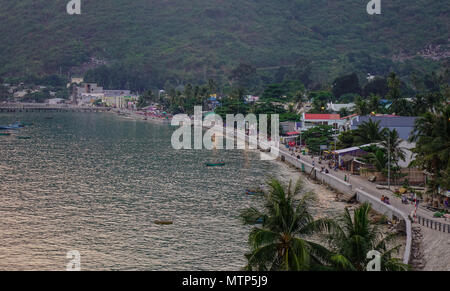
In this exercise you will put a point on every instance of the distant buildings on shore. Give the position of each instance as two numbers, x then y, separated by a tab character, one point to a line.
90	93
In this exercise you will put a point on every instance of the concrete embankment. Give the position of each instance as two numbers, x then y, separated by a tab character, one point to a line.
347	188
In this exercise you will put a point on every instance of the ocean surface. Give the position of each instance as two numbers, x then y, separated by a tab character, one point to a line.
95	183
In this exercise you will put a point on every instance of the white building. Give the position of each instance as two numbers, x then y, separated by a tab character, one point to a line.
336	108
312	120
55	101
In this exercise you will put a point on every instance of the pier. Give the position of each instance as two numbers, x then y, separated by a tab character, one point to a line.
40	107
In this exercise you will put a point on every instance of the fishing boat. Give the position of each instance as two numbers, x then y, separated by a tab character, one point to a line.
220	164
254	192
163	222
13	126
5	134
259	221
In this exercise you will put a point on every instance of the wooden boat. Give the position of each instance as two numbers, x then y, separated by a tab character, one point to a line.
221	164
14	126
163	222
254	192
259	221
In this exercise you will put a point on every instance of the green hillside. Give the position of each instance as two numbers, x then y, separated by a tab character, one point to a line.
160	41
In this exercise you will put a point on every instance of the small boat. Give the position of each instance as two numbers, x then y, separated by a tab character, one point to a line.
163	222
24	137
13	126
49	117
5	134
254	192
221	164
259	221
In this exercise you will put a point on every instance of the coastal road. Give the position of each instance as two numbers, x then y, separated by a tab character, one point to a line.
360	183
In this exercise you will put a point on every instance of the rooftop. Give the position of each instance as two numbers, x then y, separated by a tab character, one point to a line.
387	120
309	116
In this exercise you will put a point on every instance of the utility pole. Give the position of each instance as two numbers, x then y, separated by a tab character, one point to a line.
335	138
389	156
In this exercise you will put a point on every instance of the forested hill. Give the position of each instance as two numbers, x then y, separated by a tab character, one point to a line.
181	40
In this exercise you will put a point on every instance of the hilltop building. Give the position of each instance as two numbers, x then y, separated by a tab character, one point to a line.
336	108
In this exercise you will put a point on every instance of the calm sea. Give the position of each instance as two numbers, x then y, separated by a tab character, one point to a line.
95	183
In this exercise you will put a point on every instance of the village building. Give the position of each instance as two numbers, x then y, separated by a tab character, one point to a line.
312	120
336	108
403	124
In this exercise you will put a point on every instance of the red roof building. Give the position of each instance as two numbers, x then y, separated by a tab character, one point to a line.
309	116
311	120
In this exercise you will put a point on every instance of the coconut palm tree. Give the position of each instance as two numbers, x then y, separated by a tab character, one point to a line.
353	237
279	243
369	132
361	107
378	159
432	137
391	142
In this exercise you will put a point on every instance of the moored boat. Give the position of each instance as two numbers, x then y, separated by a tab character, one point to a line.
163	222
259	221
13	126
254	192
220	164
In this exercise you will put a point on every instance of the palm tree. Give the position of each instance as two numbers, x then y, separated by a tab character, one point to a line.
369	132
361	107
278	244
351	238
374	103
391	143
432	137
378	159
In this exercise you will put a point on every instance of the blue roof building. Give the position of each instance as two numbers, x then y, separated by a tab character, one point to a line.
403	124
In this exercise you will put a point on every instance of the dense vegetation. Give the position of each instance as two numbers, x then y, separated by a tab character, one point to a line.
145	44
282	241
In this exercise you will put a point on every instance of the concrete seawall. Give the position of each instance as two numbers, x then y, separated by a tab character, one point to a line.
361	196
390	212
330	180
343	187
